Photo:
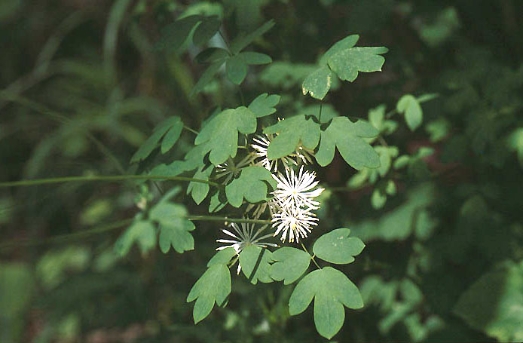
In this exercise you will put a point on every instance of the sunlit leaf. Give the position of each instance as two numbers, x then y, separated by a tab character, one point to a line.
337	247
220	134
318	83
264	104
214	286
348	63
331	290
291	132
348	138
251	185
289	264
255	264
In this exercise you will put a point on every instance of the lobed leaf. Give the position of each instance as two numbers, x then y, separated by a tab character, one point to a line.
141	232
255	263
174	227
348	63
289	264
337	247
251	185
214	286
331	290
318	83
291	132
348	138
264	104
169	129
199	190
219	136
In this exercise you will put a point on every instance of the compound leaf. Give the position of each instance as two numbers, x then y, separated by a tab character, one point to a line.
331	290
290	264
175	34
291	132
347	63
222	257
251	185
337	247
255	264
214	286
174	227
220	134
344	44
264	104
348	138
206	30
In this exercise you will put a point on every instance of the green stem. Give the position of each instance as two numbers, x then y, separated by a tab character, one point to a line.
232	220
67	237
312	256
102	178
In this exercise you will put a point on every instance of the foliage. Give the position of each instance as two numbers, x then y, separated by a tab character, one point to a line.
139	137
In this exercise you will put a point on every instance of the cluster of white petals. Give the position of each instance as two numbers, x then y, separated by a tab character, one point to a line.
293	204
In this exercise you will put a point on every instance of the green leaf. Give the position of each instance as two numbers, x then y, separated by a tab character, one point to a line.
236	69
170	127
214	286
222	257
347	63
291	132
337	247
199	190
211	55
494	303
239	43
174	227
255	264
378	199
409	105
344	44
331	290
220	134
171	137
251	185
255	58
207	76
348	138
175	34
264	104
141	232
206	30
318	83
290	264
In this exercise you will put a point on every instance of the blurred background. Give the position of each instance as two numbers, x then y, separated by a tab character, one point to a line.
83	83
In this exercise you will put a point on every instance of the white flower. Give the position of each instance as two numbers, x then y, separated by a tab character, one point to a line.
293	222
246	235
297	190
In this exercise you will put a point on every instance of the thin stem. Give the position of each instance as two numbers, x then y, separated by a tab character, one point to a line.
226	219
102	178
312	256
66	237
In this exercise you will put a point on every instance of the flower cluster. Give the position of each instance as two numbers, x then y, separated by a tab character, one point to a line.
292	204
